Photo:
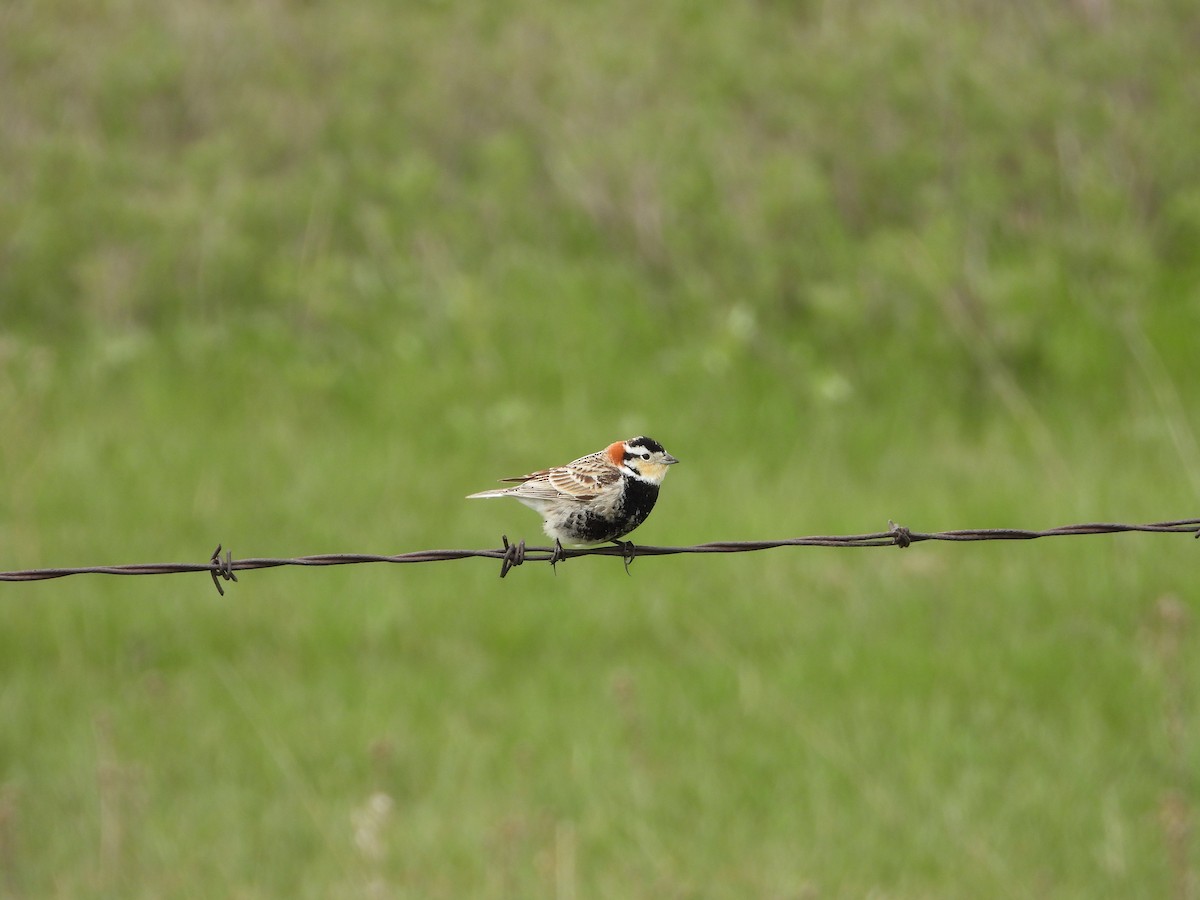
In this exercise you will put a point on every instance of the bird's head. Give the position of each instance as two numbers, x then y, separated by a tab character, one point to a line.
641	457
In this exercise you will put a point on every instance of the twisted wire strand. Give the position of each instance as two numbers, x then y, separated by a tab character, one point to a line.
513	555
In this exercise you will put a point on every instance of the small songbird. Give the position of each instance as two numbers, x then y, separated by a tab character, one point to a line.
597	498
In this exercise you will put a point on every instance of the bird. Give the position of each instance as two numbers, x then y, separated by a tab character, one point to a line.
596	499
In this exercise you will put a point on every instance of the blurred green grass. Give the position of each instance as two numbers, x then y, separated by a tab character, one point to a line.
296	278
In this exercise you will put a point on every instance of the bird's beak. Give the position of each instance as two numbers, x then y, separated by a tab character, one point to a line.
669	460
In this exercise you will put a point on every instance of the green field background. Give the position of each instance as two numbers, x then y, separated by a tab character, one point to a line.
296	277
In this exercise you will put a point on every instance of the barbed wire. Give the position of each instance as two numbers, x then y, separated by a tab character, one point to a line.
513	555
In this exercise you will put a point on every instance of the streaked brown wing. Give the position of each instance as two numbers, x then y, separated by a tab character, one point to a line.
580	480
583	482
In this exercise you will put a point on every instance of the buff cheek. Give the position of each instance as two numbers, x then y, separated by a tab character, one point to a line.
653	471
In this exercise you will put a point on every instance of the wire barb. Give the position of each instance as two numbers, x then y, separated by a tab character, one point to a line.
222	568
514	555
901	536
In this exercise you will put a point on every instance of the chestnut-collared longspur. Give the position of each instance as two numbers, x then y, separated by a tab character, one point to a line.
597	498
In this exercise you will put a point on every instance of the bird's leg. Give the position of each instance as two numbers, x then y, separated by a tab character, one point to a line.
557	556
627	553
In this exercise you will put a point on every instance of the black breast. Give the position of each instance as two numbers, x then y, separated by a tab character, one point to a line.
640	497
628	514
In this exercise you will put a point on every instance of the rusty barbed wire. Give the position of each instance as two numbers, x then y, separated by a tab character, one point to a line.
513	555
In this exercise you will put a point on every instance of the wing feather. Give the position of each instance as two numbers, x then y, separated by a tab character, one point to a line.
581	484
582	480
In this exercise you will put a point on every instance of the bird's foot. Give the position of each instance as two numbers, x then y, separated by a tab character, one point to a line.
557	556
628	552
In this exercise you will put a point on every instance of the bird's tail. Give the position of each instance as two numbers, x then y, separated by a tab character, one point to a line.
498	492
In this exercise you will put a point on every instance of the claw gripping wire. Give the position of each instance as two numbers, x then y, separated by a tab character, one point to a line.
628	552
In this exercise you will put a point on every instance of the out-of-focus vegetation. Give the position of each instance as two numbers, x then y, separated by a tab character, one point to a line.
298	276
